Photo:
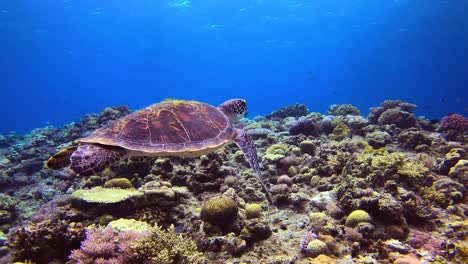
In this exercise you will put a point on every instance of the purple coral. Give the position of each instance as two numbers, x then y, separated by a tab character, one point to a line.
304	126
306	238
454	122
105	246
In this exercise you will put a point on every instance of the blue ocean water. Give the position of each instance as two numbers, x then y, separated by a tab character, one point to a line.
61	59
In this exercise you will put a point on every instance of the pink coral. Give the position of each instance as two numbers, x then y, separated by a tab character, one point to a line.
105	246
306	238
454	122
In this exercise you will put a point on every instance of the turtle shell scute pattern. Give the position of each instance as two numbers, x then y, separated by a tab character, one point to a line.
171	126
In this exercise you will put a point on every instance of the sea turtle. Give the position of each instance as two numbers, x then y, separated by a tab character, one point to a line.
169	128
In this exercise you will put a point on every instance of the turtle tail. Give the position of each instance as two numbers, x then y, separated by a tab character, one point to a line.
91	159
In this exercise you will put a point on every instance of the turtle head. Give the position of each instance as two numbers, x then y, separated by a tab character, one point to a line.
235	109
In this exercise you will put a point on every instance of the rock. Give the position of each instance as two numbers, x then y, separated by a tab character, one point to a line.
254	230
304	126
378	139
296	110
308	147
396	116
258	133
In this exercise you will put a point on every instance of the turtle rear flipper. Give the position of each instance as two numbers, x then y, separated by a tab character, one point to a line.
90	159
60	159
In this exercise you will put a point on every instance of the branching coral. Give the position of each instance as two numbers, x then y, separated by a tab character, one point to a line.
166	247
106	246
413	169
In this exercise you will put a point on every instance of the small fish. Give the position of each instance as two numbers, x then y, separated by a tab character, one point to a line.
242	9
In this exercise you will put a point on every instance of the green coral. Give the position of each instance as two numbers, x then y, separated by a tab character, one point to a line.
356	217
219	210
167	247
341	131
276	152
123	224
253	210
122	183
105	195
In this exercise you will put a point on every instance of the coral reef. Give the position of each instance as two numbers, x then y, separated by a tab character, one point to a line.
389	188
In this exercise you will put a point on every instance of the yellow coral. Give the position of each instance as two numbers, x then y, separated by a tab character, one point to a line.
387	160
253	210
219	210
412	169
123	224
167	247
323	259
151	215
356	217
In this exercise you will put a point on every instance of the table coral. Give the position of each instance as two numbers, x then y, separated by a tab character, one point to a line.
105	195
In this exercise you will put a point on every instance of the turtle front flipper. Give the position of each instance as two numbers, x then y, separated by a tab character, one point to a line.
90	159
244	141
61	159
